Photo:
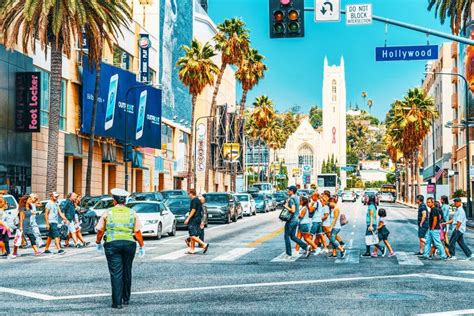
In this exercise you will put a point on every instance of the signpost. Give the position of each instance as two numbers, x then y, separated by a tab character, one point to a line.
327	10
358	14
405	53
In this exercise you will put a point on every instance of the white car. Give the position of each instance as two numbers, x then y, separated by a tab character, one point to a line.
10	215
102	205
349	196
248	203
386	197
155	217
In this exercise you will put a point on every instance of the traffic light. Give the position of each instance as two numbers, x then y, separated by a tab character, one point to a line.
286	18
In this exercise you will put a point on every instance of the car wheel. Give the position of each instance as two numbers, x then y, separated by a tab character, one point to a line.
93	229
173	230
159	231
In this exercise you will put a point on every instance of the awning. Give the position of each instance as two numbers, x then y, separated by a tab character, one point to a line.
137	160
109	154
72	146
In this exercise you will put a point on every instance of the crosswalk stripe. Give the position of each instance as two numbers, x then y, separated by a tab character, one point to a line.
175	254
352	256
405	259
234	254
282	258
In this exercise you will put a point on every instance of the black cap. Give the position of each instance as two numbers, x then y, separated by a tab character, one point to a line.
293	188
457	199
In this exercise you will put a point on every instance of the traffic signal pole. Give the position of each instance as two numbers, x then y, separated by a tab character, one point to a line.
415	28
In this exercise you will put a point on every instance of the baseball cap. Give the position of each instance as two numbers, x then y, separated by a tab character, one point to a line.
55	194
457	199
292	188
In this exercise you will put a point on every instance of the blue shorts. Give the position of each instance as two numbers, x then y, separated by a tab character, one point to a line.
194	230
53	231
305	228
317	228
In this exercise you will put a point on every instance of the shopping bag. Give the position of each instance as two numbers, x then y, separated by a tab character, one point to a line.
372	239
17	239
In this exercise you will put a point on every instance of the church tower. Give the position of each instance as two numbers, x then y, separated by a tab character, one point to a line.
334	115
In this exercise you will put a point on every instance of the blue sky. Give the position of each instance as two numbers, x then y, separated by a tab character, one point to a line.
295	65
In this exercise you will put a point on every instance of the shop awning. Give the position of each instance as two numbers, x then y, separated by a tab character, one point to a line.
137	160
109	154
73	146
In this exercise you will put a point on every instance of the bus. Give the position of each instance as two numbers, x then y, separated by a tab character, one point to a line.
389	188
328	181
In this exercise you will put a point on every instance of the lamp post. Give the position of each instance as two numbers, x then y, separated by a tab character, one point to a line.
195	145
466	125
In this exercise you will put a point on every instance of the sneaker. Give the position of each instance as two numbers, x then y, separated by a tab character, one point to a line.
10	256
452	258
301	251
308	251
418	254
47	251
326	250
78	246
86	244
367	254
392	254
424	258
343	254
468	258
332	256
317	251
384	251
374	254
61	252
38	253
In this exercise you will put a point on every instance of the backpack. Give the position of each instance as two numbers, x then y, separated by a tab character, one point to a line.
343	220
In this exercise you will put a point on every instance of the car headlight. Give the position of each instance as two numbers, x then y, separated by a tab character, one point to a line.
150	222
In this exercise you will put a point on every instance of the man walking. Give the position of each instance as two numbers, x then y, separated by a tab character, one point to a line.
423	224
293	206
69	211
51	216
194	222
459	220
432	237
120	225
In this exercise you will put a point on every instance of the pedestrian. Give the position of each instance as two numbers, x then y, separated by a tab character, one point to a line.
69	210
459	221
432	236
423	224
121	227
326	217
335	228
34	203
77	205
316	208
51	217
370	221
292	205
445	209
4	232
25	213
383	233
304	225
194	222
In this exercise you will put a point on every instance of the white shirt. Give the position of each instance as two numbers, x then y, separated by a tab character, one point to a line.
327	221
460	216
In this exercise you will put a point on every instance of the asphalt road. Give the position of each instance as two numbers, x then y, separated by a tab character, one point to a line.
243	273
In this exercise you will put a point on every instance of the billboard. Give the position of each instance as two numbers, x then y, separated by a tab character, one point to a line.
176	29
27	103
140	119
231	152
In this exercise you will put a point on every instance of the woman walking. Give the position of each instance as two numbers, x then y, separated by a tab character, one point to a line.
383	234
26	229
371	222
305	224
293	206
4	232
335	228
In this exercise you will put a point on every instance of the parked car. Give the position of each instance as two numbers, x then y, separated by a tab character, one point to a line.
386	197
98	205
264	187
248	203
272	203
10	214
348	196
280	198
169	193
261	203
145	196
238	207
179	206
220	207
367	194
155	217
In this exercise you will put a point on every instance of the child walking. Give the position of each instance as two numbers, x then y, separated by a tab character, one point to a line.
383	234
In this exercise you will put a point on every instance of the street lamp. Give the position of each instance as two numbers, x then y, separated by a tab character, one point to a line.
466	125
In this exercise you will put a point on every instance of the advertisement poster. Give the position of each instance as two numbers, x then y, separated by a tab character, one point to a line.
231	152
140	120
176	30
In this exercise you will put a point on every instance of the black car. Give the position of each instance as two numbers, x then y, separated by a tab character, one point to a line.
179	206
221	207
145	196
261	203
169	193
280	198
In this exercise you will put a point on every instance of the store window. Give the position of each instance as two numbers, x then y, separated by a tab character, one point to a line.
167	140
151	75
122	59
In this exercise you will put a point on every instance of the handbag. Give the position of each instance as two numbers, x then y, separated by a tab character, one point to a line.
285	215
17	239
343	220
372	239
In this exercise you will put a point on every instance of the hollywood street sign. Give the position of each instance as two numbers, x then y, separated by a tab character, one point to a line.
405	53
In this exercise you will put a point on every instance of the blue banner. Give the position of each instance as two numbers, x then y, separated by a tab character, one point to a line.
405	53
142	120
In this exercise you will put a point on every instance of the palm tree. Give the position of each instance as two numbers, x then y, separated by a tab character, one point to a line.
458	11
364	96
58	24
232	41
196	71
370	103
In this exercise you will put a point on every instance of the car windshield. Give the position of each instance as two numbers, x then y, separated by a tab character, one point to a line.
143	208
259	197
89	202
370	193
174	203
280	195
216	198
142	196
168	194
242	197
10	201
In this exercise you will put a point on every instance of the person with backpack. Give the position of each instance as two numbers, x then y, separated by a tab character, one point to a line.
335	228
371	222
383	234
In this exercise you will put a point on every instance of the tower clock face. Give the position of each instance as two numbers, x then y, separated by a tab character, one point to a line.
334	135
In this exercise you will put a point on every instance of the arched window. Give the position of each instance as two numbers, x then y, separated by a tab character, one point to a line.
334	91
305	156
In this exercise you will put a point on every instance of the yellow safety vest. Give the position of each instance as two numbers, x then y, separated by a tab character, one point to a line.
120	224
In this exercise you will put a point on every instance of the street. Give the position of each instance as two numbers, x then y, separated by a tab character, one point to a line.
244	273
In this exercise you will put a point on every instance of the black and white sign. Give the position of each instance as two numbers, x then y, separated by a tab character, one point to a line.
144	44
327	10
358	14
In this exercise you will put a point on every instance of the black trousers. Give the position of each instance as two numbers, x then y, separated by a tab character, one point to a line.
458	237
120	255
6	241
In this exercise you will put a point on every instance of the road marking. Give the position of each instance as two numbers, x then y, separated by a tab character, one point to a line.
265	238
353	226
283	258
466	272
352	233
234	254
459	312
350	243
175	254
39	296
405	259
352	257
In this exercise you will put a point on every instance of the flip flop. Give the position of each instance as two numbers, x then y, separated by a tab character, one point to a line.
205	249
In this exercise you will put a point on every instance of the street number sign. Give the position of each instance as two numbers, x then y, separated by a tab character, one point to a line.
358	14
327	10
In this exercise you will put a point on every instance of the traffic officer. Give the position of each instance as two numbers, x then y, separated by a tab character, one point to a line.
120	225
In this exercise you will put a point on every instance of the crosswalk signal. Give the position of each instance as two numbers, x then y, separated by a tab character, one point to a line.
286	18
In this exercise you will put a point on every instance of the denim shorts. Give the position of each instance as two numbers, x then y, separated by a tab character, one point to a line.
316	228
305	228
53	231
72	227
422	232
194	230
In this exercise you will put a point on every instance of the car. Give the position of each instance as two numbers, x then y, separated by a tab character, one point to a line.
155	217
261	202
304	192
10	214
145	196
238	207
169	193
220	207
248	203
263	187
339	192
272	203
281	198
179	206
98	204
367	194
386	197
349	196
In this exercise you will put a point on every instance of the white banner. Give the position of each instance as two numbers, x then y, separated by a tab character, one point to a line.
201	148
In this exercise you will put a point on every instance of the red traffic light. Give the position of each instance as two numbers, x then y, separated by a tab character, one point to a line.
285	2
278	16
